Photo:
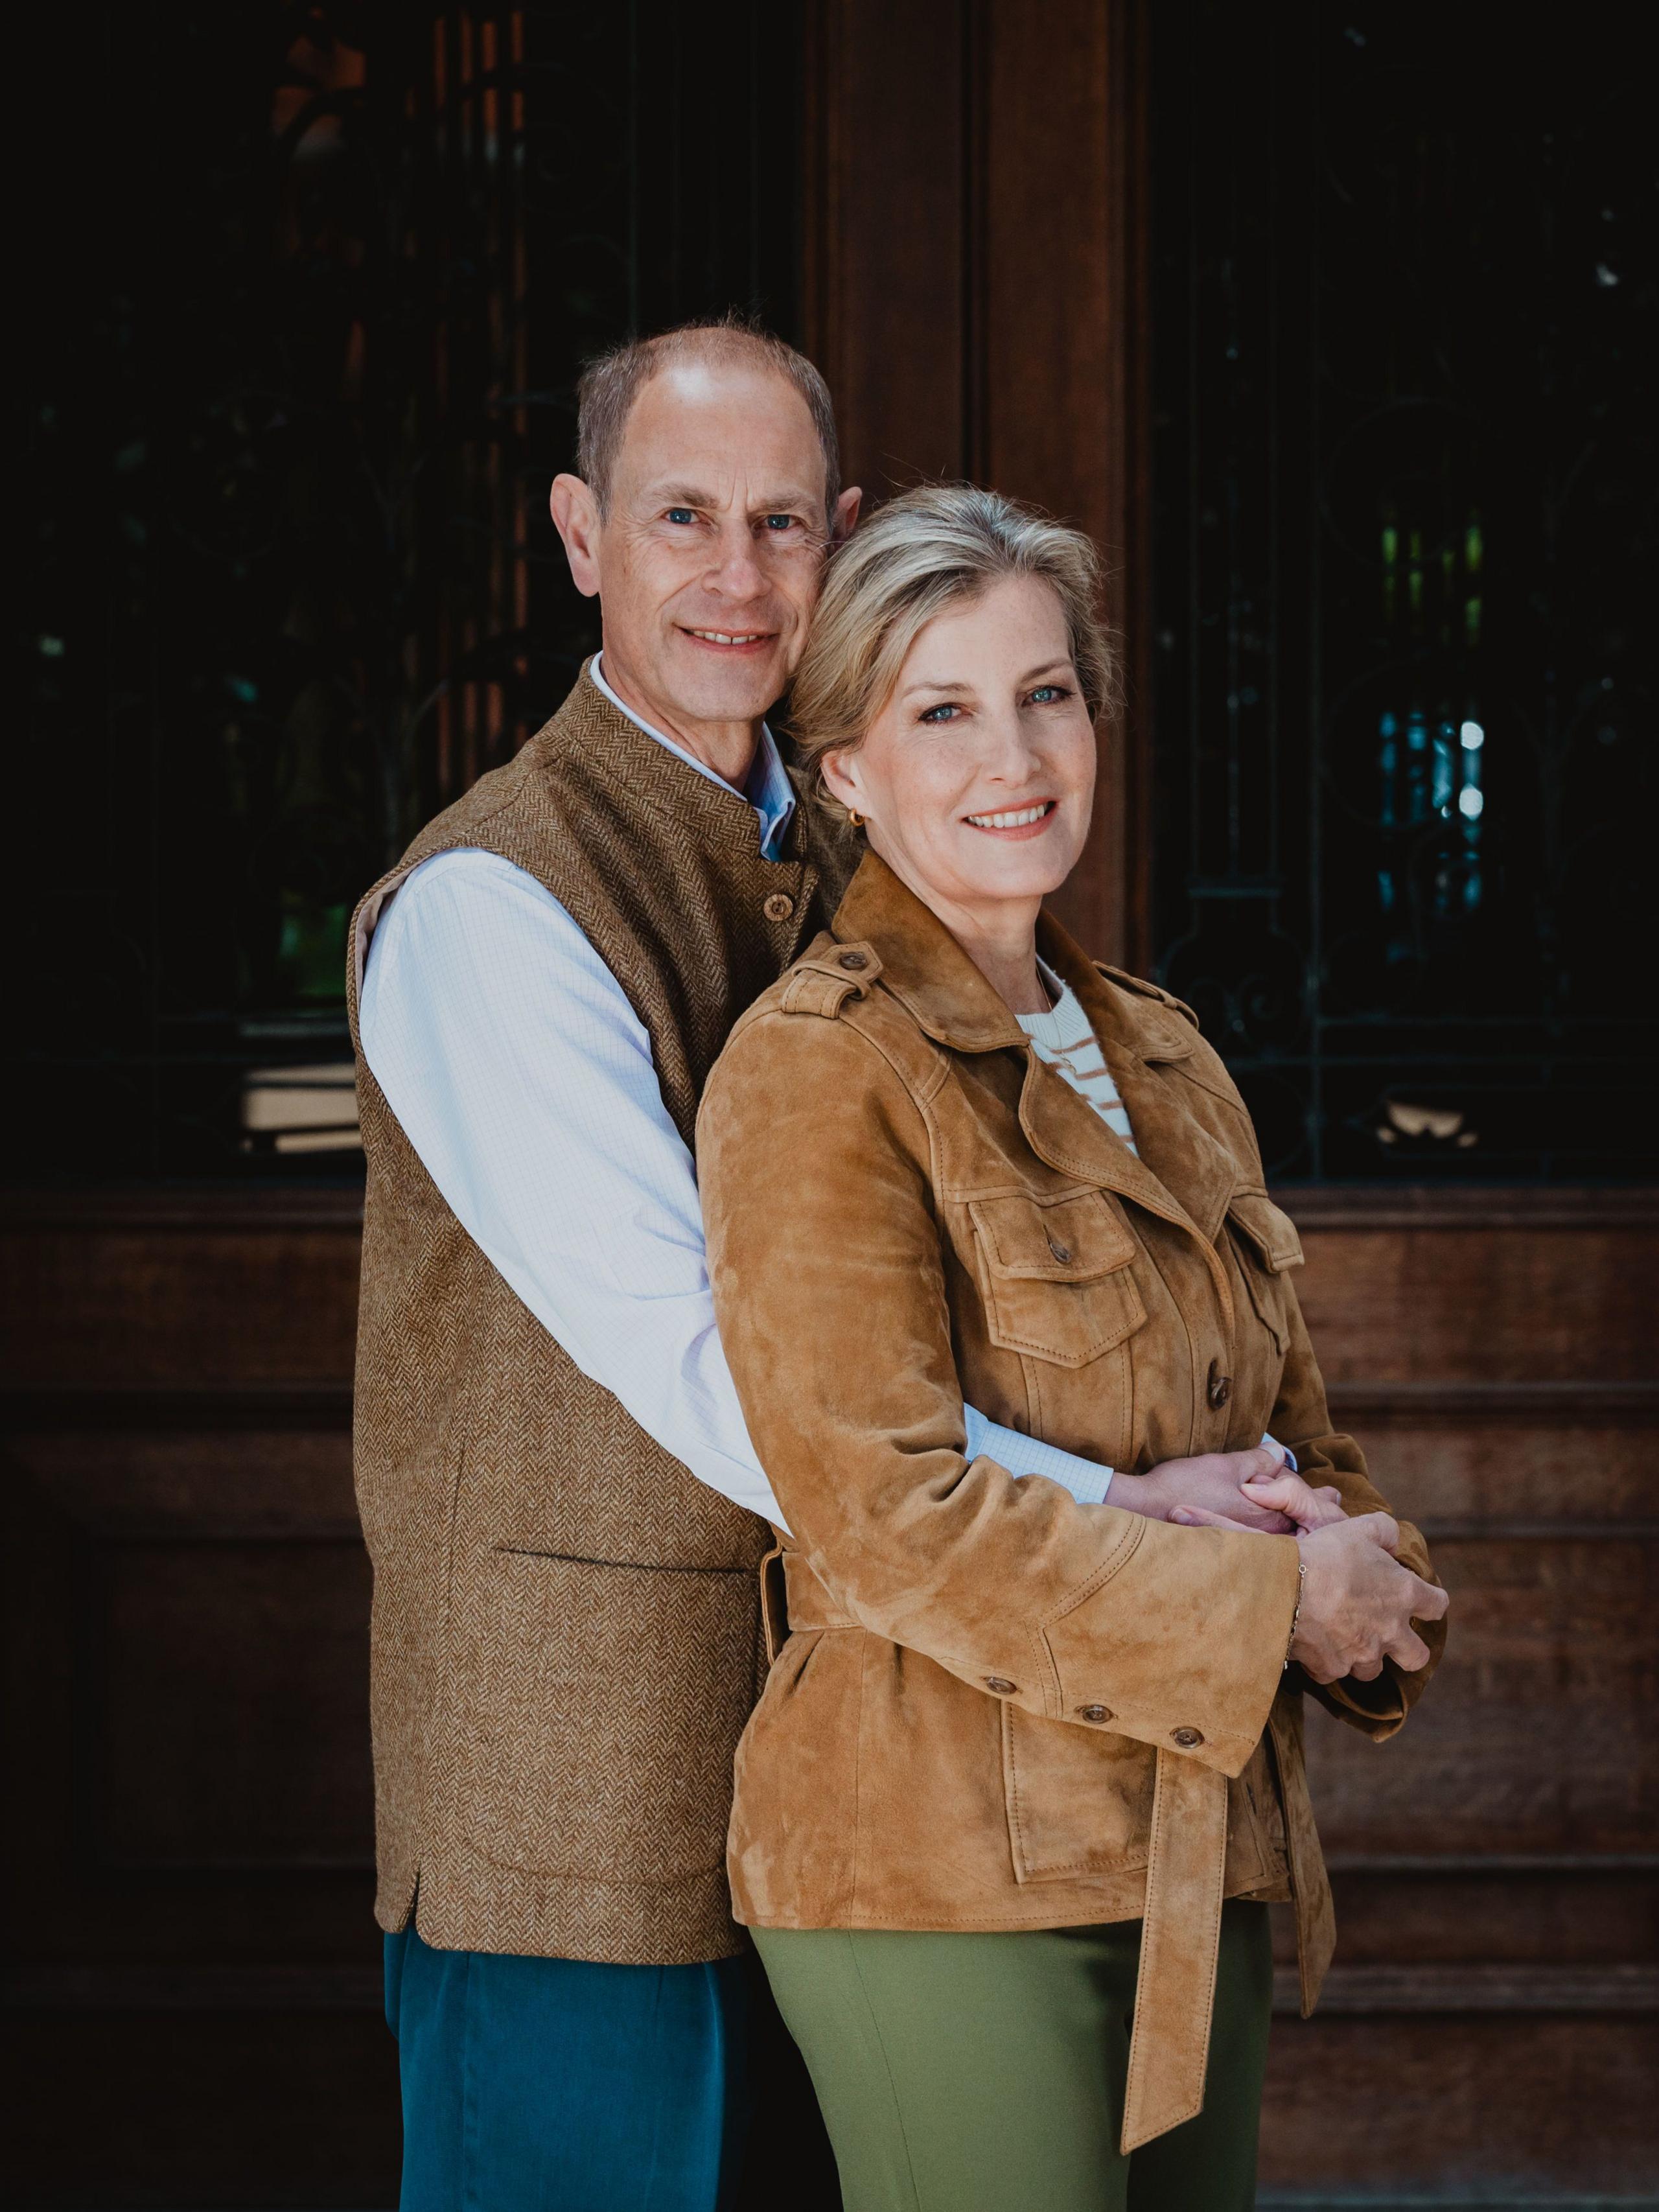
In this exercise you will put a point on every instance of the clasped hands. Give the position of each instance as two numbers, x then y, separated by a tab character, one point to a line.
1358	1602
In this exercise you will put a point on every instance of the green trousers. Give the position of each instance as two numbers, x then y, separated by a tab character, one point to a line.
985	2073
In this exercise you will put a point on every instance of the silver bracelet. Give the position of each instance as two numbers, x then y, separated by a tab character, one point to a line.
1301	1585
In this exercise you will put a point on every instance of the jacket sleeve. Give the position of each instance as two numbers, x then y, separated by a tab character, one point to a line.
1302	1420
828	1280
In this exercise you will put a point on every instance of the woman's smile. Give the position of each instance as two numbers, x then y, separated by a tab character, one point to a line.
1016	823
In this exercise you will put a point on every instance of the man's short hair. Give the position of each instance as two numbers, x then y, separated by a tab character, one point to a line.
613	381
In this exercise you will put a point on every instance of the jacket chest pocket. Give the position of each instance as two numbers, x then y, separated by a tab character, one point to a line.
1268	1247
1056	1274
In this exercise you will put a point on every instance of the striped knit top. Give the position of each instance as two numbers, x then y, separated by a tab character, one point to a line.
1064	1039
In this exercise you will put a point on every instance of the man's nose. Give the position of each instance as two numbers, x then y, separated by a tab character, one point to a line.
737	572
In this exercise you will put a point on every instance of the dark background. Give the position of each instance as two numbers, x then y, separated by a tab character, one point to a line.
1337	328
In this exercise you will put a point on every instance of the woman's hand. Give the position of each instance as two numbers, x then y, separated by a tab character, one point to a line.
1358	1603
1251	1490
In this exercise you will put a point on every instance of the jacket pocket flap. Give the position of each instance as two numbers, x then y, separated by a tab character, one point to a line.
1077	1238
1268	1227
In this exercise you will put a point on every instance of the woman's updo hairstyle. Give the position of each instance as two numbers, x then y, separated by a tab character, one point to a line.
927	549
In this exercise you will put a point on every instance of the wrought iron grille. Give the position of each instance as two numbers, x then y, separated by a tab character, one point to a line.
314	284
1405	307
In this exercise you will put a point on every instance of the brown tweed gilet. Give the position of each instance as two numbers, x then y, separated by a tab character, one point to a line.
565	1637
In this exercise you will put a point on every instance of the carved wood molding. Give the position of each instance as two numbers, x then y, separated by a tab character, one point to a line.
1565	1400
284	1405
234	1407
1314	1206
212	1207
1318	1206
1416	1987
1526	1986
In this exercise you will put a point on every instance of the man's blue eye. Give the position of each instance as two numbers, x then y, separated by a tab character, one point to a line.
680	514
780	521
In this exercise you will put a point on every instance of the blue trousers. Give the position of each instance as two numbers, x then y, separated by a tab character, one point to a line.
552	2085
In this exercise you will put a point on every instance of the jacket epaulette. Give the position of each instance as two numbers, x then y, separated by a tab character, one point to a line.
828	978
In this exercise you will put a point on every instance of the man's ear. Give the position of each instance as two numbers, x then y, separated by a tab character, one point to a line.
846	516
575	514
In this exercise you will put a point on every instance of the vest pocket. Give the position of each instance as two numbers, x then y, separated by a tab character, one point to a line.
610	1700
1079	1800
1056	1275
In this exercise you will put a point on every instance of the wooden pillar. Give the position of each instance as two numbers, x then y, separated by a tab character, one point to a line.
974	260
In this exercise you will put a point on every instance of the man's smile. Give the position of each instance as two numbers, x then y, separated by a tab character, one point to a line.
730	641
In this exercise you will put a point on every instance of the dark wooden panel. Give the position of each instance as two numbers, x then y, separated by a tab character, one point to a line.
275	2107
179	1290
1062	418
1492	1351
1510	1453
977	290
1594	1910
1538	1736
884	244
1467	2108
1506	1292
230	1706
187	1690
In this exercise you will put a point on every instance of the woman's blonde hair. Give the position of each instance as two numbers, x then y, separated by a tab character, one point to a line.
930	549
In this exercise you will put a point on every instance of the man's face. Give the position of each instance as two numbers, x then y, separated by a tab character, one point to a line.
707	562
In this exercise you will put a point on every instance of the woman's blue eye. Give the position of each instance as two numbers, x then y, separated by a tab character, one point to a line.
680	514
1045	692
940	714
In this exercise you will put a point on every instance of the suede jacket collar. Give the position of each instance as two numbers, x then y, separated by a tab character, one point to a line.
1182	1172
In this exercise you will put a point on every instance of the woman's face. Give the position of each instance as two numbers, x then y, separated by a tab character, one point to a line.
977	776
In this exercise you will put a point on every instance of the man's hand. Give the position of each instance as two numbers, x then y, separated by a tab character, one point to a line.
1358	1602
1228	1490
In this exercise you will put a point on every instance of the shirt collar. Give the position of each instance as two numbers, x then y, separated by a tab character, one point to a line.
768	789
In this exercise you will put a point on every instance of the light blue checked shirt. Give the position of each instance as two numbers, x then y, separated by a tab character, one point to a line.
523	1078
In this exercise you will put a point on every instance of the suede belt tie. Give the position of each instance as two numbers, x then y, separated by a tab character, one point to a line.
1186	1876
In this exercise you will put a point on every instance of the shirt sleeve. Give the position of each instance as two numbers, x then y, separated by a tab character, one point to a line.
521	1074
1087	1481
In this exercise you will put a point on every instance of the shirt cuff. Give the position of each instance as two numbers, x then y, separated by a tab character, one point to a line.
1086	1480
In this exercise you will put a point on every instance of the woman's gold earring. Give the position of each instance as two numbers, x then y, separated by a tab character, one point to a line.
857	820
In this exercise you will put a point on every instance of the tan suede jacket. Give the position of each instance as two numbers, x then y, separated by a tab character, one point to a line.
996	1707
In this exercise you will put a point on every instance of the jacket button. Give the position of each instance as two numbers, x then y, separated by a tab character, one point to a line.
1001	1685
1221	1385
1094	1712
1061	1252
1189	1739
852	960
779	907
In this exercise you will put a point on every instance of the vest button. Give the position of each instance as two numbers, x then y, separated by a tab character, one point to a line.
1094	1712
854	961
779	907
1188	1738
1061	1252
1001	1685
1221	1385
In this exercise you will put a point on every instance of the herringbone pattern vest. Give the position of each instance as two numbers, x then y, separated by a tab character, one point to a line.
565	1625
